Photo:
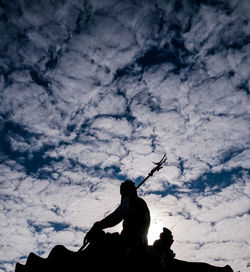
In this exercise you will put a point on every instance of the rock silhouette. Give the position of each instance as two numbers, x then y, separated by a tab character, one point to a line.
105	253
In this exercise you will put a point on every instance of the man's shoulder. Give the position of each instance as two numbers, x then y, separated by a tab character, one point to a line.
141	201
131	201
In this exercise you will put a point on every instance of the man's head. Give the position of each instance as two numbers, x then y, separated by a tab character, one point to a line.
128	188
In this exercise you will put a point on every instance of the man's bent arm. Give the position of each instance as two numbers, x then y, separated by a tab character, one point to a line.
115	217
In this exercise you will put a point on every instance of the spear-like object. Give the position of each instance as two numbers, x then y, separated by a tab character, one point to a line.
150	174
156	168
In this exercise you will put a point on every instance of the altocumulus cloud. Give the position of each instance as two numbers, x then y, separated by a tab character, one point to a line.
93	91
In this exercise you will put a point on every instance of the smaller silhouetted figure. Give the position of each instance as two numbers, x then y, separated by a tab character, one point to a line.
134	213
162	248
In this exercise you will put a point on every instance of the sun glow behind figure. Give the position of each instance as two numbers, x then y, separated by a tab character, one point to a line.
154	231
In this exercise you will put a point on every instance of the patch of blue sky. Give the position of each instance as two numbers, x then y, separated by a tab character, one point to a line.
216	182
32	162
168	189
59	226
175	54
37	228
229	154
114	172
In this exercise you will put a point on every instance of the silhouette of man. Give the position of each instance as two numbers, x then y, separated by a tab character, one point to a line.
135	214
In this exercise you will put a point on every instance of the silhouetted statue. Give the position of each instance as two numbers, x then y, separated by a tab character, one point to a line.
104	248
128	251
135	214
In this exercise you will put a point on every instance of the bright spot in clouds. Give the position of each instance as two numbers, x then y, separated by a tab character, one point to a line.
154	232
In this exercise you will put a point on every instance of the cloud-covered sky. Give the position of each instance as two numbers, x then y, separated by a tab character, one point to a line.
93	91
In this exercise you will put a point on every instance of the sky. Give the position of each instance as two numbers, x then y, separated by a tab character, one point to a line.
92	92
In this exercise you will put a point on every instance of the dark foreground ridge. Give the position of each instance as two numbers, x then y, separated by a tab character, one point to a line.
105	252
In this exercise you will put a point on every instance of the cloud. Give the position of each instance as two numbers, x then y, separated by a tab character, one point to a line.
92	92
